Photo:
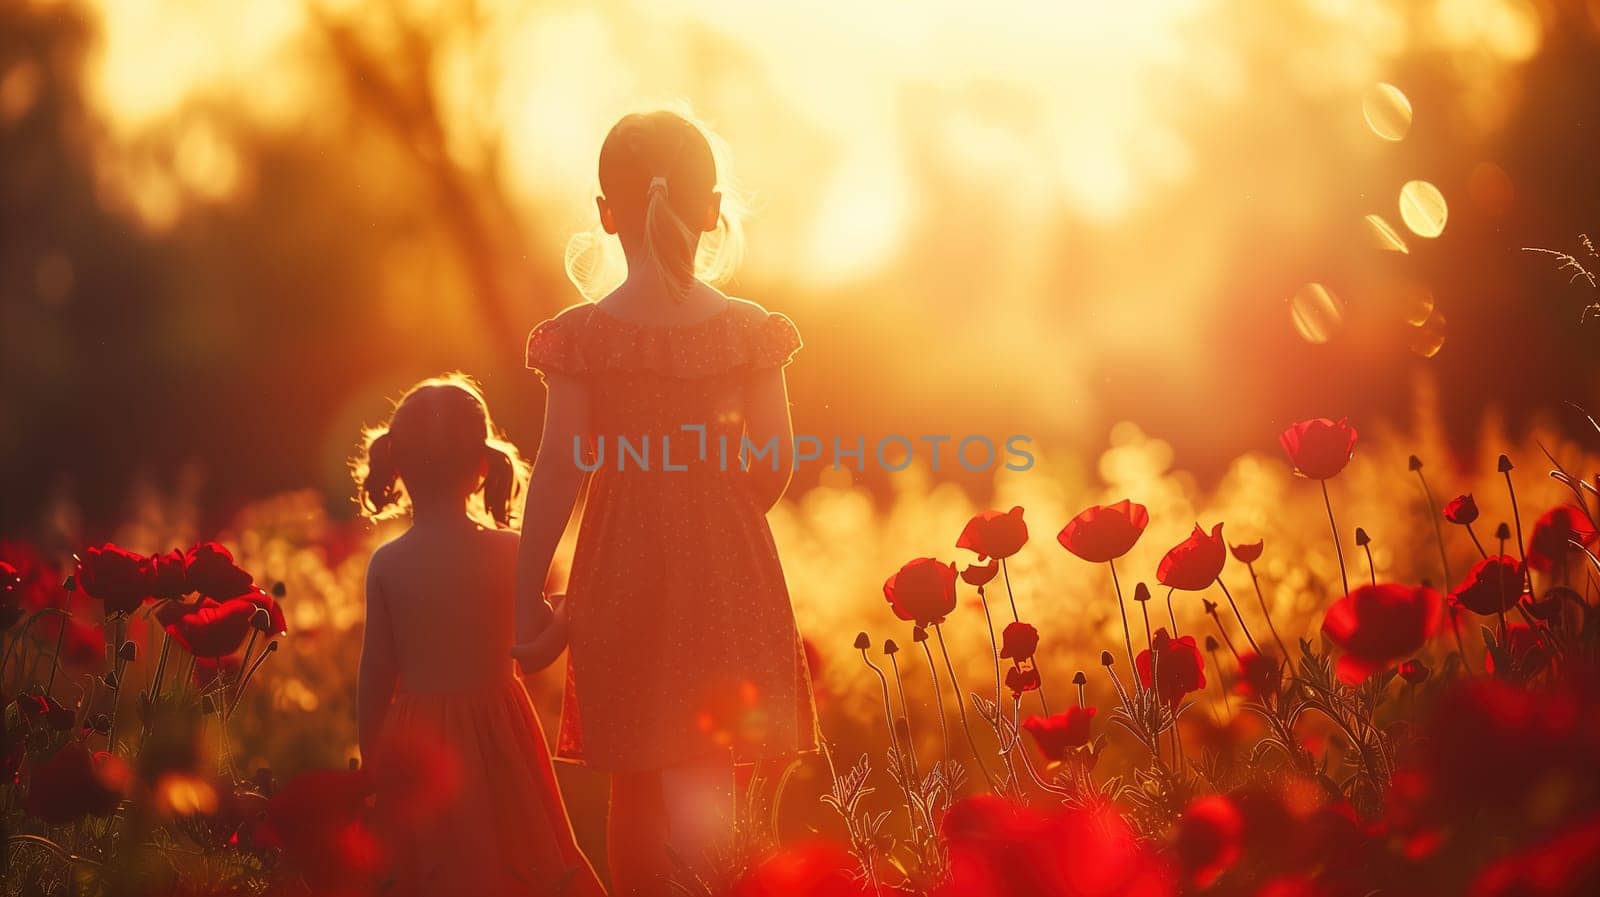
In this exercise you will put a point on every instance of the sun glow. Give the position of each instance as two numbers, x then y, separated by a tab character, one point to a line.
1077	172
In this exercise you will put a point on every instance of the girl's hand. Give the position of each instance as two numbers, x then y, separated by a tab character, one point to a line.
533	617
541	649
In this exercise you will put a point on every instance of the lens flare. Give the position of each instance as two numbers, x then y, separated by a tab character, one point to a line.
1388	111
1384	236
1428	338
1318	314
1423	209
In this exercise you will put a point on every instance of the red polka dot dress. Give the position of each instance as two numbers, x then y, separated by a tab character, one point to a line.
683	641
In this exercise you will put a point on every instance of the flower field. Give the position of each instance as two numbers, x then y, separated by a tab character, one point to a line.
1354	664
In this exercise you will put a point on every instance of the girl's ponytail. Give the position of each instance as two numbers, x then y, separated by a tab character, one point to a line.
378	490
498	484
666	241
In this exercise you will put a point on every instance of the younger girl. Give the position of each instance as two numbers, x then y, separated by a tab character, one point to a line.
466	792
684	657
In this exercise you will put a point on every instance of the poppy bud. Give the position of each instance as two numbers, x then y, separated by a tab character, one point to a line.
101	724
129	651
919	634
1079	678
70	583
261	620
1502	532
1414	671
1504	464
862	642
1106	659
890	648
1141	592
1211	643
279	590
111	681
1462	509
1362	539
1414	463
1210	606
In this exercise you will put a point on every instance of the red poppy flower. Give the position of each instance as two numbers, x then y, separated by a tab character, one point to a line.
1104	533
115	576
212	630
995	534
1554	533
813	868
1021	681
1494	584
1000	849
1567	863
170	612
1195	563
74	783
1259	674
1461	510
1319	448
923	591
1249	552
168	576
1209	839
39	582
980	574
1058	733
210	570
319	821
1182	670
1019	641
1379	625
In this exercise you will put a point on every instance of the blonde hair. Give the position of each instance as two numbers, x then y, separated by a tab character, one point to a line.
439	437
659	167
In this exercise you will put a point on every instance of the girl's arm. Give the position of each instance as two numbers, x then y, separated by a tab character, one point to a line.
552	493
378	675
766	418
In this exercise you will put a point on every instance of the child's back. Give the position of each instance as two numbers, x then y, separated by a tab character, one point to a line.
448	594
467	798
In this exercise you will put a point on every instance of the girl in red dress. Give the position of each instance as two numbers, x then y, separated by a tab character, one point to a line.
467	797
684	654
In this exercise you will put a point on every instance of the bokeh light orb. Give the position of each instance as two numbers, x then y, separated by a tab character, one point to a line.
1423	209
1388	111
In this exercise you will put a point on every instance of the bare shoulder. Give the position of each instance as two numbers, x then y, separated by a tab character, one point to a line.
500	546
501	539
383	559
748	308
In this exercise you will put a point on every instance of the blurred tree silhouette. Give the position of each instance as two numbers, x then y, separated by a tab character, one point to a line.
364	247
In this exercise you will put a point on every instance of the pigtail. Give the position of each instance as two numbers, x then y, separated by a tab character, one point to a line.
498	484
378	487
666	241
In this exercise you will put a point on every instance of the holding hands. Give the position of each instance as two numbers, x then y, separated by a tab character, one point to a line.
541	633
